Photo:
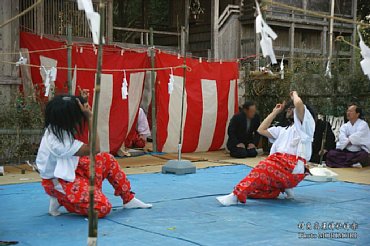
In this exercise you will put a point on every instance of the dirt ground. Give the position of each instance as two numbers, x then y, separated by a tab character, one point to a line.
153	163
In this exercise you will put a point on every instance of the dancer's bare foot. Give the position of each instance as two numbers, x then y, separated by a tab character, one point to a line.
289	193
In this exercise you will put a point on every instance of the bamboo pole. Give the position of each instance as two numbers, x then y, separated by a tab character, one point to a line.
183	51
93	217
69	58
152	77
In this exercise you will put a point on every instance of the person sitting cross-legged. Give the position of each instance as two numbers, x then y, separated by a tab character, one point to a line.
243	136
353	146
63	161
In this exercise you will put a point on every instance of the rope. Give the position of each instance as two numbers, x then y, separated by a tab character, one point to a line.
341	39
21	14
314	13
32	51
107	70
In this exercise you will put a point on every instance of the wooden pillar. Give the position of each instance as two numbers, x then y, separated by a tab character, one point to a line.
354	34
186	21
109	31
291	42
215	9
40	21
9	36
324	37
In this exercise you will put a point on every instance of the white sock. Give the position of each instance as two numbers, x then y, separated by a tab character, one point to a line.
136	203
289	193
357	165
228	200
54	206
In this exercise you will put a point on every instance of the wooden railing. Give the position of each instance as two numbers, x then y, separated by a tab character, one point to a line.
229	11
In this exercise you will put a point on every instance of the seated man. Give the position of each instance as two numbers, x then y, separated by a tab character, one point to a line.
353	146
242	131
323	136
137	139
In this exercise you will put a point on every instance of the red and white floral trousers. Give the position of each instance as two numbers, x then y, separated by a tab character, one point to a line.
74	196
270	177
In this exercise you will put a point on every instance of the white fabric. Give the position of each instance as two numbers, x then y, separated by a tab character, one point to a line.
142	124
136	88
209	117
365	52
267	34
354	137
296	139
56	159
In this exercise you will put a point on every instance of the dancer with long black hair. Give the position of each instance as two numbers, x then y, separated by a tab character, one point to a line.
63	161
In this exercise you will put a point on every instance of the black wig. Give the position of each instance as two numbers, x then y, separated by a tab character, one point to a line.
63	115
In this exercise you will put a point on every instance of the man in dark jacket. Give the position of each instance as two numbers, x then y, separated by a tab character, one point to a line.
243	136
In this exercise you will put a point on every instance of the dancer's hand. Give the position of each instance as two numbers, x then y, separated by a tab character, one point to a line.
293	94
84	93
85	108
279	108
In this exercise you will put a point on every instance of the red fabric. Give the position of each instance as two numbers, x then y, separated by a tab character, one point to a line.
84	56
223	73
76	197
270	177
134	141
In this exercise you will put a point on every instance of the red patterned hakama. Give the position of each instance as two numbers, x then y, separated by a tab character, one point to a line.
74	196
270	177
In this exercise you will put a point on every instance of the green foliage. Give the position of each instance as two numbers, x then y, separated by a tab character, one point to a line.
327	96
22	114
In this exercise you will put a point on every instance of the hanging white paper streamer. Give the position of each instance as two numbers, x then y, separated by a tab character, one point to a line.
267	34
50	75
365	52
93	18
170	82
328	70
282	68
124	88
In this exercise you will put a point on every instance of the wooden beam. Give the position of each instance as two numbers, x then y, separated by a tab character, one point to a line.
354	34
109	31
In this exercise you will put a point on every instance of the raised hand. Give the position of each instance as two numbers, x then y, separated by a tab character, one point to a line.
279	108
85	108
84	93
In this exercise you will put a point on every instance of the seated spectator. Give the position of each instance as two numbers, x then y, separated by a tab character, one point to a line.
322	129
243	136
353	146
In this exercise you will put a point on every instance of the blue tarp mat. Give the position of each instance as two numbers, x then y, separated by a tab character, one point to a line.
185	212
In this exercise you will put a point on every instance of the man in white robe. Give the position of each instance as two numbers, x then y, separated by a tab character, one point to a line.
353	146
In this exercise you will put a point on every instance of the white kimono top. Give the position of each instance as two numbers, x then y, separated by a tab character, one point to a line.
357	134
142	124
56	159
296	139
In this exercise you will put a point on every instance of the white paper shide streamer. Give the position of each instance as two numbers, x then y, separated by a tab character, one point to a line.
328	70
49	76
93	18
282	75
124	88
171	82
365	52
267	35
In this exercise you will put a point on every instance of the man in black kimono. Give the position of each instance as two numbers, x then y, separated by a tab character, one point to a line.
243	136
321	127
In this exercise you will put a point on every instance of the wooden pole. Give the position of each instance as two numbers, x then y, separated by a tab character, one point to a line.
186	20
183	51
214	23
152	77
69	58
93	216
331	27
